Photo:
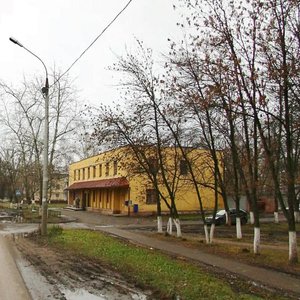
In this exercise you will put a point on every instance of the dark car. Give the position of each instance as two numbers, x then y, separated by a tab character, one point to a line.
221	217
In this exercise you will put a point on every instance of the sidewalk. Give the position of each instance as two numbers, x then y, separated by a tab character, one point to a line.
271	278
123	227
12	285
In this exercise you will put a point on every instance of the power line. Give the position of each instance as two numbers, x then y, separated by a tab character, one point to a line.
94	41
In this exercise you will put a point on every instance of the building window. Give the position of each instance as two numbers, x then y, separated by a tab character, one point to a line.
88	173
75	171
57	195
153	165
107	169
151	196
78	175
83	173
115	167
183	167
100	170
94	171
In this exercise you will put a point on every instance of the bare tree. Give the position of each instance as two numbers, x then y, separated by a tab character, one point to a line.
142	126
23	118
256	44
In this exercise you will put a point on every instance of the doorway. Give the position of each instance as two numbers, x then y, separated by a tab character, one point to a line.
85	200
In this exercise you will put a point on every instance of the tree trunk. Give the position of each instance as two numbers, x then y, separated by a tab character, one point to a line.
228	220
251	217
170	226
178	227
206	234
276	217
297	216
212	233
238	228
256	242
293	256
158	210
159	224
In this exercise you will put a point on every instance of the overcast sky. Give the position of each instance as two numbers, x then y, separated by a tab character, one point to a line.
59	30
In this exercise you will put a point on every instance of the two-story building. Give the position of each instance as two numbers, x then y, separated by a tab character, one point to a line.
112	180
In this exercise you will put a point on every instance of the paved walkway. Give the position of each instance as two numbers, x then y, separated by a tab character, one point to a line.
12	285
271	278
113	226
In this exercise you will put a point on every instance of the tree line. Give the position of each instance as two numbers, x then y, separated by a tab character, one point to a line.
22	143
230	86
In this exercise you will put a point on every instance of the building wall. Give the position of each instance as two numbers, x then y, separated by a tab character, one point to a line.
112	200
58	193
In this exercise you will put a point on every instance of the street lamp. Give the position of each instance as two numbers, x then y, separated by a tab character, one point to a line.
45	92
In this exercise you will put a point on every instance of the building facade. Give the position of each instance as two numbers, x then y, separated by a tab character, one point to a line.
58	193
114	182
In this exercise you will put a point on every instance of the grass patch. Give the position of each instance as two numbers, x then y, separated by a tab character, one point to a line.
148	268
242	250
270	258
270	233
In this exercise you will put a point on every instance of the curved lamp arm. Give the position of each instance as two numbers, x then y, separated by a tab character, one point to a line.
15	41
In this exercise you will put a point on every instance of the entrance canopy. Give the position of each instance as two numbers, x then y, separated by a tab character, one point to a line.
98	184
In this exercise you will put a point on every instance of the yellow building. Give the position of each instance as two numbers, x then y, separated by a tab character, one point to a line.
111	180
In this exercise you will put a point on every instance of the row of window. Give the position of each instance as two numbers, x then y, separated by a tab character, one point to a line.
183	166
96	171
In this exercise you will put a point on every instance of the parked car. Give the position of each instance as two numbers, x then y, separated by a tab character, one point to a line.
221	217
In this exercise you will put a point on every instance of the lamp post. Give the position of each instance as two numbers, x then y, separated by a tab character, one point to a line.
45	92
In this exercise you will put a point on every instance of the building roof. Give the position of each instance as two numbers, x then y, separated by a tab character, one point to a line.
98	184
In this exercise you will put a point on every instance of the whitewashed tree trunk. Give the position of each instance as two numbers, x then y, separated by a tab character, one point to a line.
293	256
170	226
238	228
251	217
211	233
256	242
159	224
276	217
226	217
178	227
297	216
206	234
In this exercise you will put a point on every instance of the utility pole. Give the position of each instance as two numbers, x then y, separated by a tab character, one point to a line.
45	92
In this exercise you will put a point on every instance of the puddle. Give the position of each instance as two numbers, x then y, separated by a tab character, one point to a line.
80	295
14	228
74	225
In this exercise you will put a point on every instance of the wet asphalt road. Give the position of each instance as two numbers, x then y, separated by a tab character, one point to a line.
12	285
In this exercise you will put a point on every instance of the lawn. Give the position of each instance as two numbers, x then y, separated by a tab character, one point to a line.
274	245
148	268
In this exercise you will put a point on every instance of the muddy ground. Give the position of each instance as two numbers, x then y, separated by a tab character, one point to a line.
65	276
69	277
